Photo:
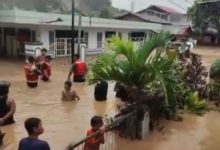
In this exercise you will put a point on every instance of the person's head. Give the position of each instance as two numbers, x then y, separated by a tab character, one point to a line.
31	59
48	58
43	51
4	90
76	57
67	85
96	122
33	126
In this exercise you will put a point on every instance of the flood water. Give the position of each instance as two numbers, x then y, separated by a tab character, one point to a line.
67	122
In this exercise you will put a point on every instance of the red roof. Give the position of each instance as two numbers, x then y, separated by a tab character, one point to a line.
166	9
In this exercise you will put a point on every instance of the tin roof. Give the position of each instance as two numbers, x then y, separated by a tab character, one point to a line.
18	16
145	17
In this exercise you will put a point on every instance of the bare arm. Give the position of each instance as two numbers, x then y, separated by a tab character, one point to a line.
75	96
12	107
71	71
63	98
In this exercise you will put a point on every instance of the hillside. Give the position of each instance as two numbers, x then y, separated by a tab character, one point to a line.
100	8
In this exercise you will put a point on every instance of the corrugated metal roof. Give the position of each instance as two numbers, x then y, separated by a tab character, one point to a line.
167	9
145	17
176	30
38	18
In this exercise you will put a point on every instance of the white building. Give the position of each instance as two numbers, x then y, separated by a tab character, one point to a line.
19	26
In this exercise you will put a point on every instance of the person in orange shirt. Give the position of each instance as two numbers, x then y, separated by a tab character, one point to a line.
46	68
95	142
31	72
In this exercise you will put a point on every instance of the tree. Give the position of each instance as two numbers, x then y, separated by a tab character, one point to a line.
105	13
40	5
145	68
204	16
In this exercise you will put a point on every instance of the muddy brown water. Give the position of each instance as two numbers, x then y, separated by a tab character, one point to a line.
67	122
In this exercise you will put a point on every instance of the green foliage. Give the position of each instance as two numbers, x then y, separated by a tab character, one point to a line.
141	68
195	104
99	8
202	18
129	66
214	83
38	5
215	70
148	68
105	13
92	7
194	14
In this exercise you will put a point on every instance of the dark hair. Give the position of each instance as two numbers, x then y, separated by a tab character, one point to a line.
69	83
76	55
31	123
4	87
44	50
31	59
48	57
96	120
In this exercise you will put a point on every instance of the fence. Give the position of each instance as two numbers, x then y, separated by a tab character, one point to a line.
110	135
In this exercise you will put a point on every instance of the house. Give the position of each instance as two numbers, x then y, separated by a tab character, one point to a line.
180	32
142	18
157	14
54	31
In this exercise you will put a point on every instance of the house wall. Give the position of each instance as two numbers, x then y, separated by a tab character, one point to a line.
10	45
131	18
177	17
92	40
42	33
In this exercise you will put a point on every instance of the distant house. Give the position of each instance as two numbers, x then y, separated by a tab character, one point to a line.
142	18
157	14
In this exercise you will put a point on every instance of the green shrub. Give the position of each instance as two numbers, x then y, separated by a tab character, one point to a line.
215	70
195	104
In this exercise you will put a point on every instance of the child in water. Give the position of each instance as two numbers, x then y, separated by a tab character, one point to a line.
68	94
95	142
32	142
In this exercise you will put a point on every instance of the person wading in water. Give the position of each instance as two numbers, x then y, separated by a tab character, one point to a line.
7	107
78	69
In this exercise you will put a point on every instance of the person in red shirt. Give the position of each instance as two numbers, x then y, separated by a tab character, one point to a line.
95	142
78	69
46	68
31	72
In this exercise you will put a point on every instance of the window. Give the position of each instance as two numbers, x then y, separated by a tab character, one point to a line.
51	40
99	40
33	36
109	34
86	38
120	34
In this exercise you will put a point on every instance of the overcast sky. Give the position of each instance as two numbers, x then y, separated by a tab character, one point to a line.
180	5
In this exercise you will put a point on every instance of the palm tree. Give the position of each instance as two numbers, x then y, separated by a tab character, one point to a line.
146	68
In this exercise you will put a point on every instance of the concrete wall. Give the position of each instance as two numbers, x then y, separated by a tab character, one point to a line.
92	40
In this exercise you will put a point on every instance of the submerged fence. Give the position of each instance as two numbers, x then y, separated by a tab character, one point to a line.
110	135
